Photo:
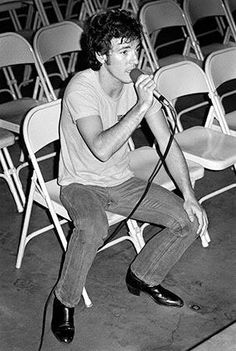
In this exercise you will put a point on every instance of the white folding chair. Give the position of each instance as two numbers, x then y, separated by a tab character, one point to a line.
212	149
156	17
220	68
9	172
41	127
21	96
210	11
56	47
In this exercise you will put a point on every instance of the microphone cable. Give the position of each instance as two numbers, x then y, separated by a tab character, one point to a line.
169	111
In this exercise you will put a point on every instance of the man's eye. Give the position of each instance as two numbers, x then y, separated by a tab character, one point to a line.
124	52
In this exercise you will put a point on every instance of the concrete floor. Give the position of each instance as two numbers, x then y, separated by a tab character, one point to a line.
118	321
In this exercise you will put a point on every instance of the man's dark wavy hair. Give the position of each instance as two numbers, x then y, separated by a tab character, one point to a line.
101	28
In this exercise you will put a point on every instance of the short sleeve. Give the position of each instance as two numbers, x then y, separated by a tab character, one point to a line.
81	104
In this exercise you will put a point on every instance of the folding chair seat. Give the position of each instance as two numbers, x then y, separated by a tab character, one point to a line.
216	22
220	69
212	149
19	97
167	35
9	172
41	127
56	47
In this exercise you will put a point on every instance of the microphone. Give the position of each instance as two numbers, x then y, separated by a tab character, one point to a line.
135	73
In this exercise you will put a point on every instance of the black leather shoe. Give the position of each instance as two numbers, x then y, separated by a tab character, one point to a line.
63	322
159	294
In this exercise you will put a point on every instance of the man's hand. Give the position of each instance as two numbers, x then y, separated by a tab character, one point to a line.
145	86
194	209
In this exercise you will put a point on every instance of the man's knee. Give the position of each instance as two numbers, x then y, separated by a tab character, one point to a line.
93	227
184	227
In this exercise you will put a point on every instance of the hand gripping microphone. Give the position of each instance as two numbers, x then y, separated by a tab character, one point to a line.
135	73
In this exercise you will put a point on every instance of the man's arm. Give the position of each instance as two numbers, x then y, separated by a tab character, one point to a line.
178	168
104	143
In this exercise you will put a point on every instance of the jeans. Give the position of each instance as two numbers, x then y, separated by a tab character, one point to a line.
86	206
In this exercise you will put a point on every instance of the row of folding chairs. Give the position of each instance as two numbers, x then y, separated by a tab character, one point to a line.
171	32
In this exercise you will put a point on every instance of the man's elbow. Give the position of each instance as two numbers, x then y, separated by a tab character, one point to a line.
102	155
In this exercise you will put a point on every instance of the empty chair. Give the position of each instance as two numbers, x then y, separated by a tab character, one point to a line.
220	69
9	172
216	22
167	35
214	150
19	96
56	47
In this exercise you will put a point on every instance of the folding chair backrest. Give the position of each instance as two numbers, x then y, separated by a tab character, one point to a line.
16	50
155	16
55	42
220	66
198	9
186	77
40	128
213	9
56	39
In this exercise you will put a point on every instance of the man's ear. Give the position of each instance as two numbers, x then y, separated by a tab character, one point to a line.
101	58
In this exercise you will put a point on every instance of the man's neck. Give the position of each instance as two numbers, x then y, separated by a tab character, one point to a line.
109	84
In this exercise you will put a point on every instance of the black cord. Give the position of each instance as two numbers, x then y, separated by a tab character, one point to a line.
45	315
169	109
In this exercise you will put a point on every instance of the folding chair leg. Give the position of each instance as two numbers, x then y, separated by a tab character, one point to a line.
87	301
136	234
15	176
10	176
23	241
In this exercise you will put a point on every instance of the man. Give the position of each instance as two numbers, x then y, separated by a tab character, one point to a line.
101	109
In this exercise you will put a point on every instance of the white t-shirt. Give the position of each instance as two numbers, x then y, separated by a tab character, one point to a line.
85	97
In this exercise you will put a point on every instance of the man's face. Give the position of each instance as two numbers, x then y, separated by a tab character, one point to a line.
122	58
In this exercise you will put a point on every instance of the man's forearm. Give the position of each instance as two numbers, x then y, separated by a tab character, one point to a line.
110	140
178	168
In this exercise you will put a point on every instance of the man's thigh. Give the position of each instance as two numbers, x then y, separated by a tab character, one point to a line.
159	205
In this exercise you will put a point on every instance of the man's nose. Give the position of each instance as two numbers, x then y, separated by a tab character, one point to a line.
134	57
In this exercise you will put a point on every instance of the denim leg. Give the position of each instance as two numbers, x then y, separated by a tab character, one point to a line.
160	207
86	210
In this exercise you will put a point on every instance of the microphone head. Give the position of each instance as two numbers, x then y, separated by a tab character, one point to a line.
134	74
